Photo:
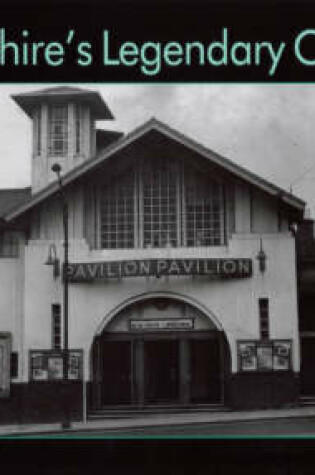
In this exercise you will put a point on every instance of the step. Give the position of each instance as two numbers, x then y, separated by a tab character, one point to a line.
131	411
307	401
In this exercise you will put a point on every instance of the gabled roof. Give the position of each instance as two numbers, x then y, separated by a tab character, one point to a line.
155	125
28	100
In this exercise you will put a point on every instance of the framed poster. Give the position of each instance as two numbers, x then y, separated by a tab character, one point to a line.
75	365
264	357
39	371
247	356
282	355
55	367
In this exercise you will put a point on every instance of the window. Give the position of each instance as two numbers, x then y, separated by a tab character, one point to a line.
9	244
204	212
38	131
78	122
56	326
159	203
58	130
264	318
117	214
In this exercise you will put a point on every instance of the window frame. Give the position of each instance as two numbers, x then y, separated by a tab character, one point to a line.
181	225
54	137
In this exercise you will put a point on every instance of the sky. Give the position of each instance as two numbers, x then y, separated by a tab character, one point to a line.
268	129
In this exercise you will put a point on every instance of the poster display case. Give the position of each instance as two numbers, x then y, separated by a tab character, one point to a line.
47	365
269	355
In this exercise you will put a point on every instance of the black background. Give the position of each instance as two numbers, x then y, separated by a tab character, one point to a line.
159	21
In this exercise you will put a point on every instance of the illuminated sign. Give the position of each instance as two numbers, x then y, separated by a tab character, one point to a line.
228	268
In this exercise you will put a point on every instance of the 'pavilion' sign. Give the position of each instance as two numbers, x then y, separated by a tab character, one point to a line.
83	272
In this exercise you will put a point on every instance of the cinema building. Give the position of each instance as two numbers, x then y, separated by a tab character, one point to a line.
182	272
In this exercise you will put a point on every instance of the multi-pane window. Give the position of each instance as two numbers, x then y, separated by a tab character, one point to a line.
264	318
159	205
204	212
58	129
117	214
56	326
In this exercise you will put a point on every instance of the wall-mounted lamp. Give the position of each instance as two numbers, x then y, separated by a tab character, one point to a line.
261	258
53	260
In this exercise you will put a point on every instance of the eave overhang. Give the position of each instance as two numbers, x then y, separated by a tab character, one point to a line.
153	124
30	100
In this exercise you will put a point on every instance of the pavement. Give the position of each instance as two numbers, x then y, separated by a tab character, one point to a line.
154	420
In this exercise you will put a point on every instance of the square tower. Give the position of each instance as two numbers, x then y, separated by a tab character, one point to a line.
63	128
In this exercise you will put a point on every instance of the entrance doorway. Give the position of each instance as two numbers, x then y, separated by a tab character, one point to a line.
159	351
155	369
307	366
116	372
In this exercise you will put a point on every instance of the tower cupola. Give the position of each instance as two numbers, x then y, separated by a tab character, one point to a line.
63	128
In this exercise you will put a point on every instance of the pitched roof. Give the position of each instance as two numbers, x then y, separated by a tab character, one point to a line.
28	100
166	131
13	198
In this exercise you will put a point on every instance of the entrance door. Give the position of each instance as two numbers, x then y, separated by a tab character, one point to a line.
116	369
205	371
307	366
161	371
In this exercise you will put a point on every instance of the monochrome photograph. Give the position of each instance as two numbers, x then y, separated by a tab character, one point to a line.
157	259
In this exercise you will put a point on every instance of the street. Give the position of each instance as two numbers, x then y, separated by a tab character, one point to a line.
289	427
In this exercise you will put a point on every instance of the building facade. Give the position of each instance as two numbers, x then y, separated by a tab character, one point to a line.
182	271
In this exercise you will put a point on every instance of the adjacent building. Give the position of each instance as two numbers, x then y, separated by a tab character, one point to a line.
182	271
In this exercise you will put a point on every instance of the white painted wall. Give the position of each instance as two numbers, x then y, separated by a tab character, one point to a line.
234	303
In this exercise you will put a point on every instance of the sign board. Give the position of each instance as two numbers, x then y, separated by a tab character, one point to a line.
5	357
227	268
170	324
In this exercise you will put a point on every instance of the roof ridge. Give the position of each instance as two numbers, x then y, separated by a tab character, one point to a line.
153	123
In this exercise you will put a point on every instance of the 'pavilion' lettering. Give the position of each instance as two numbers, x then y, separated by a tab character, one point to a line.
236	268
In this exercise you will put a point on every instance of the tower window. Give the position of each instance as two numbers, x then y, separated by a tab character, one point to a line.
58	130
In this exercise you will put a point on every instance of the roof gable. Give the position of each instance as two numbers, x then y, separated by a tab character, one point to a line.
153	125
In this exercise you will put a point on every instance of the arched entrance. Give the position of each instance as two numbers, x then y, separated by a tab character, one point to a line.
159	351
